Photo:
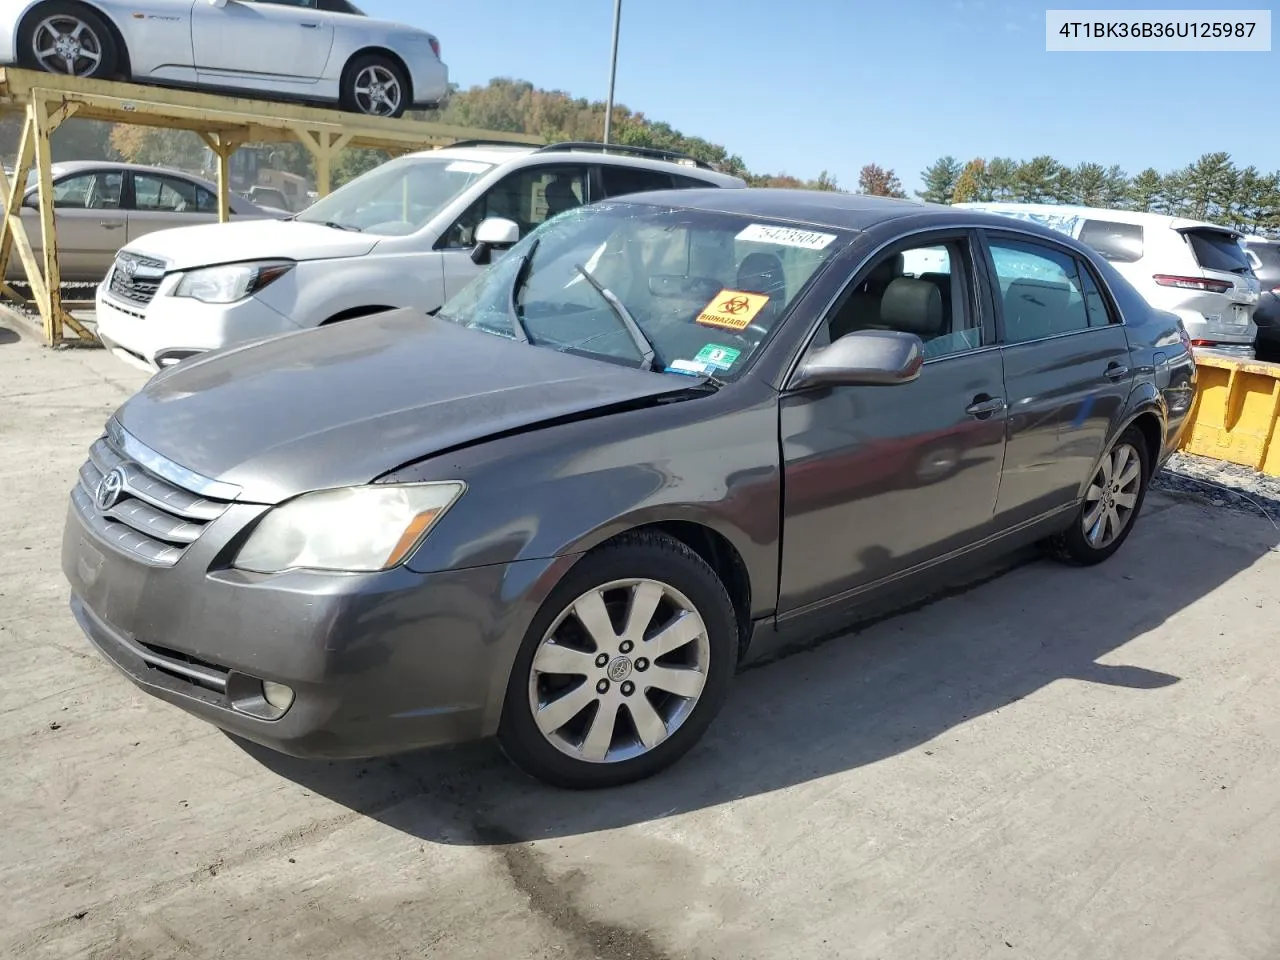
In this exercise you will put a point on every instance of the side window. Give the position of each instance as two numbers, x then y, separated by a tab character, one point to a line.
622	180
206	200
920	290
690	183
89	191
1118	242
529	197
165	194
1099	316
1040	291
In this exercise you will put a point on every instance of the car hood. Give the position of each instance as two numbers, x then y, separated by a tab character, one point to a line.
345	404
208	244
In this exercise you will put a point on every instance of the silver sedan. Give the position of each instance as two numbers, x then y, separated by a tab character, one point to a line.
311	50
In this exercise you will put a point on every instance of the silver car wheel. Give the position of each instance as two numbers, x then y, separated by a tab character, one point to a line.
66	44
377	91
1112	496
604	693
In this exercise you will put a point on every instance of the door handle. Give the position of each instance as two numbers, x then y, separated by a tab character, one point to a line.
309	26
107	224
1116	371
984	405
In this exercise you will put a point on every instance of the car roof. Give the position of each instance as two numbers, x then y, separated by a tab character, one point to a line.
825	208
1142	217
498	154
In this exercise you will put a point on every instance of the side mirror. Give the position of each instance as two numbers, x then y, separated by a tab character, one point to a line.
867	357
493	232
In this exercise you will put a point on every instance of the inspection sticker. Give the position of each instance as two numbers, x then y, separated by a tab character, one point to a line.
717	357
787	236
688	367
732	309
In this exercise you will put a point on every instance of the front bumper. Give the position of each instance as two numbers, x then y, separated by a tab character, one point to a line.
173	328
379	663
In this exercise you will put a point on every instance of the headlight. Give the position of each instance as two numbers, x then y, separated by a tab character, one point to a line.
232	282
352	529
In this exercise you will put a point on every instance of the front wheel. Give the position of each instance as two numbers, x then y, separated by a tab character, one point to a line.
375	86
1111	503
623	668
69	39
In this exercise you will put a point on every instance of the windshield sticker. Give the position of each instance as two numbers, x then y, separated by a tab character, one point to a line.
688	367
466	166
787	236
732	309
717	357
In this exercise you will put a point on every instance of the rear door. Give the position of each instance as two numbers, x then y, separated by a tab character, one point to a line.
161	201
1067	372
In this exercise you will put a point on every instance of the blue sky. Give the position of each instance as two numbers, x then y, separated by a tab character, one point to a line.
811	84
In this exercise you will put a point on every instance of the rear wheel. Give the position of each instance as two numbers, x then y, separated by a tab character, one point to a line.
623	668
375	86
69	39
1111	503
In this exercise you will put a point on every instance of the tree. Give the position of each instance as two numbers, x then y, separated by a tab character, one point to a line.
159	147
1039	180
939	180
352	163
1146	190
998	179
1209	184
879	182
1116	188
1089	185
969	185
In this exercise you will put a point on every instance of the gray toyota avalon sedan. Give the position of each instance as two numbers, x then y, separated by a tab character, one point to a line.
657	437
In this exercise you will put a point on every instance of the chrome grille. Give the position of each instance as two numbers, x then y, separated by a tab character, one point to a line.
148	516
135	279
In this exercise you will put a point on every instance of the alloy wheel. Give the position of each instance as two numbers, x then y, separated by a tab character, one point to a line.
619	671
377	91
68	45
1112	496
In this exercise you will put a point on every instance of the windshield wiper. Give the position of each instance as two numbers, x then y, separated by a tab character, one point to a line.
340	226
522	273
643	343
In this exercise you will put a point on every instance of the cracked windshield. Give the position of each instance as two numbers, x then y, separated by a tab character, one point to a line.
681	291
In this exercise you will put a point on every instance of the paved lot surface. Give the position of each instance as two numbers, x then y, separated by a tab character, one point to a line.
1053	764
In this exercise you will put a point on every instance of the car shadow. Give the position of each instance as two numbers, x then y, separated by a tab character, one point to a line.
8	336
988	640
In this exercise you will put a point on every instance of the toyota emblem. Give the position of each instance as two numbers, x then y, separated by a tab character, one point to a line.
109	489
130	268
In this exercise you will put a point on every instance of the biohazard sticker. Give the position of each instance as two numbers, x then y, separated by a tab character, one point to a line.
732	309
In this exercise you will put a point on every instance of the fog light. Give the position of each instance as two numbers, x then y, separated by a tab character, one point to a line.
278	695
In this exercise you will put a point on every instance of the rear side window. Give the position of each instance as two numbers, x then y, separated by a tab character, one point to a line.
1040	291
1118	242
1215	250
689	183
623	180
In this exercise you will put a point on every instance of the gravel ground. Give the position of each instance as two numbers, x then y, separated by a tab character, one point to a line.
1221	484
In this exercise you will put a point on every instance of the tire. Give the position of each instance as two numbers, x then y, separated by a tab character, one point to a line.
87	35
1075	545
567	755
378	73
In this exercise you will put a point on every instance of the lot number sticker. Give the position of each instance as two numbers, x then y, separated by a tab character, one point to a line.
787	236
717	357
732	309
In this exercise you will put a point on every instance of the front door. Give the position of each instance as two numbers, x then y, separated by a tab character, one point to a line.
530	197
881	479
90	224
1067	373
281	39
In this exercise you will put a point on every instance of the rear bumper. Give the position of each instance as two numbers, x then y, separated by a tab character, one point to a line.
430	79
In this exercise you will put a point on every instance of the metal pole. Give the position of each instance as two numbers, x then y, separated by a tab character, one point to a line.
613	71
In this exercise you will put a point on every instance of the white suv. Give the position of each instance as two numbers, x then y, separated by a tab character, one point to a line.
1196	270
410	233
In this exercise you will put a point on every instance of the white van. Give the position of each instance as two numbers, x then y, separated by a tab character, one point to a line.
1196	270
410	233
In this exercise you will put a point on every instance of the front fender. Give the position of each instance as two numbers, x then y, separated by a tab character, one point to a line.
558	491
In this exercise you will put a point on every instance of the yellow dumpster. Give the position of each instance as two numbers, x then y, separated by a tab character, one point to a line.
1234	414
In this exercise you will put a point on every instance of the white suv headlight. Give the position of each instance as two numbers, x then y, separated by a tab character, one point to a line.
350	529
231	282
